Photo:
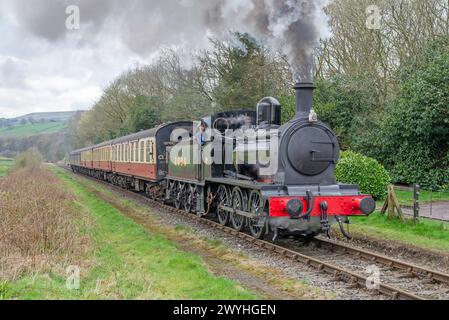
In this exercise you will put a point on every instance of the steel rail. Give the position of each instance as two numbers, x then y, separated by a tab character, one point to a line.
411	269
338	272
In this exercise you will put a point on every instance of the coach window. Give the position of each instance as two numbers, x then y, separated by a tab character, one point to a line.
133	152
127	152
142	151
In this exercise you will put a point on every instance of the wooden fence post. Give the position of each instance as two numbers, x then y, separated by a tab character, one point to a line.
392	204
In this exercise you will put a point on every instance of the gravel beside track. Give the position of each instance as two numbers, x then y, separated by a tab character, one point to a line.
330	266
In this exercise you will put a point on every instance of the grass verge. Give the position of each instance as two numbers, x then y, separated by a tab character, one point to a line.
268	282
426	234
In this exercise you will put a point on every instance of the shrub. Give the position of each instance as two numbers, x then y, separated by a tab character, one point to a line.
368	173
31	159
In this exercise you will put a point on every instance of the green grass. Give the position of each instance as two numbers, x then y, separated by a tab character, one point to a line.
5	166
27	130
128	263
426	234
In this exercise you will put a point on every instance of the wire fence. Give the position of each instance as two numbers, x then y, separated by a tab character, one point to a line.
431	204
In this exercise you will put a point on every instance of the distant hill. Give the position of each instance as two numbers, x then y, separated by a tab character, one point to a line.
35	124
46	116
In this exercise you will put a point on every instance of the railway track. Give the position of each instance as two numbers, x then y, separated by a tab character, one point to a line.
411	269
322	265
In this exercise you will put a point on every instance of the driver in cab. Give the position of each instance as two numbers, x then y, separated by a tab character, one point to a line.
202	135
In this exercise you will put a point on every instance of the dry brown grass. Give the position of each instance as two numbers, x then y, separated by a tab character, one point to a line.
39	228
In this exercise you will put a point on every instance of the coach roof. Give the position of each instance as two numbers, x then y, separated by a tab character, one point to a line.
150	133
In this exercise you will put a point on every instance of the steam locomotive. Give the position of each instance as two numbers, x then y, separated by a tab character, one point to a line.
242	168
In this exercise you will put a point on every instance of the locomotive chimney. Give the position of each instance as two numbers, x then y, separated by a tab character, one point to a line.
304	99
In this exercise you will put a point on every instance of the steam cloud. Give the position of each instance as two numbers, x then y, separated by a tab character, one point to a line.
293	27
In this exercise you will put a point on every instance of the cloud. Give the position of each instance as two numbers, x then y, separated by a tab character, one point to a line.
54	73
12	73
45	66
291	26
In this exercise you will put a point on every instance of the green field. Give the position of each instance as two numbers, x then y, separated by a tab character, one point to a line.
5	166
27	130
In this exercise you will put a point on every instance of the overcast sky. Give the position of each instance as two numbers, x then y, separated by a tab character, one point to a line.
55	69
47	65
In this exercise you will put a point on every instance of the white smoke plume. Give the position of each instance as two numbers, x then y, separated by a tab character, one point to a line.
293	27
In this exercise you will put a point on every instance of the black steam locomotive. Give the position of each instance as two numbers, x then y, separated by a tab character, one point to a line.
243	168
